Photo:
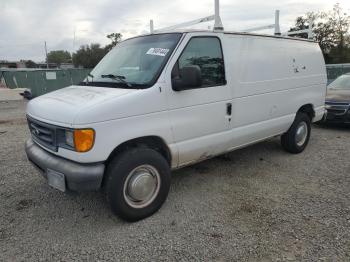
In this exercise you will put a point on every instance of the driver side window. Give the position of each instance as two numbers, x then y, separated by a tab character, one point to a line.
206	53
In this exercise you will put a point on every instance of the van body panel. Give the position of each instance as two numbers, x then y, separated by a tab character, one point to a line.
112	133
141	113
63	105
197	113
265	92
267	80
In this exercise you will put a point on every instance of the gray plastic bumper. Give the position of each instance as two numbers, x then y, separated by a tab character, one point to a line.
74	176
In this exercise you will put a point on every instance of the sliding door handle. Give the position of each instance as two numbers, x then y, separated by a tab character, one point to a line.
228	109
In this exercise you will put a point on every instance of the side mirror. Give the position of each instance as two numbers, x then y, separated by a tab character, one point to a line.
189	77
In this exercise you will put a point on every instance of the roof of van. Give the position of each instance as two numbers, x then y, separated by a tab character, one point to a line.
233	33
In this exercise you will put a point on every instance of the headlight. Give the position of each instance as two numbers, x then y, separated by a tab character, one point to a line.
69	138
80	140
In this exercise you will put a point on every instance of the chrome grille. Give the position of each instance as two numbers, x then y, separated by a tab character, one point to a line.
43	133
337	108
337	103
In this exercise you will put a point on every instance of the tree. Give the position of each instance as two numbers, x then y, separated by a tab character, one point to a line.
340	21
301	23
338	55
30	64
88	56
59	57
115	38
331	31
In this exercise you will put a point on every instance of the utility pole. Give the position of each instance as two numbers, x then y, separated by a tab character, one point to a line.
47	60
73	43
151	26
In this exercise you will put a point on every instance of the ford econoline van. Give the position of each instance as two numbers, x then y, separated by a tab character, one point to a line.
163	101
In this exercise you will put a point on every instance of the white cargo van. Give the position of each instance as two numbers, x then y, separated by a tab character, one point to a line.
163	101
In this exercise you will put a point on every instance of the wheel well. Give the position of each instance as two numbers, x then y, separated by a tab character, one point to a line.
307	109
153	142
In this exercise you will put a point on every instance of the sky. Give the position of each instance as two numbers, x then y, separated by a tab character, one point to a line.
26	25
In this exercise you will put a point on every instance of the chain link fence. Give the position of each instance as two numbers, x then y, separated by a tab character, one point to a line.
335	70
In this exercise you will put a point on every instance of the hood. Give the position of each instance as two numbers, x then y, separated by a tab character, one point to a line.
63	105
338	95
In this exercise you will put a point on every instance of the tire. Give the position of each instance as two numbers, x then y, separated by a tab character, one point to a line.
293	141
137	183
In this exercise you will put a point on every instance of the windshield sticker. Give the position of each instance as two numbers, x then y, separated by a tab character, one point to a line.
157	51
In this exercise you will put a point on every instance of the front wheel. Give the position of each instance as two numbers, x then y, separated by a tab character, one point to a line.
138	182
297	137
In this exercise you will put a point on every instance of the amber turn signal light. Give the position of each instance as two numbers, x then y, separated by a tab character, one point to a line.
84	139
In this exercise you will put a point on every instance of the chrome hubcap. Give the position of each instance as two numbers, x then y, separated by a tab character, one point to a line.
301	134
141	186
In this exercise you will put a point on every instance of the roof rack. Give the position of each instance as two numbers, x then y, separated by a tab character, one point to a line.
216	17
276	25
219	27
310	34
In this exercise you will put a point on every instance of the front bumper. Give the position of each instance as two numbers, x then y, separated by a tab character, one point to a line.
337	116
73	176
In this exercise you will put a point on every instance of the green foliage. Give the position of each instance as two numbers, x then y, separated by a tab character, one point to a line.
338	55
30	64
88	56
115	38
331	31
301	23
59	57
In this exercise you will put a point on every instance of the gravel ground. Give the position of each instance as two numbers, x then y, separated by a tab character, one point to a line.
10	94
254	204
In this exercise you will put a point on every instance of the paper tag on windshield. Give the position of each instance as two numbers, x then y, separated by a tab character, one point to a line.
157	51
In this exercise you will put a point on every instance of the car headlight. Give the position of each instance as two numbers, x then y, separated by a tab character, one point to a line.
81	140
69	138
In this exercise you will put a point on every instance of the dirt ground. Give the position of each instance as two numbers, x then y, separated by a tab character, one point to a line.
10	94
255	204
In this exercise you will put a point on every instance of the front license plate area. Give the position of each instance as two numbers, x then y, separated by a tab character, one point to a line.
56	180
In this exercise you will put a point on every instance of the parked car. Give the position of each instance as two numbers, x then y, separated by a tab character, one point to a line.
164	101
338	100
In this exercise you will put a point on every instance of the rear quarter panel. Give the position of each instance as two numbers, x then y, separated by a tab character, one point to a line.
273	78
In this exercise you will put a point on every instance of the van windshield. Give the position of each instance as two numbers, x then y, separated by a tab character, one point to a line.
134	63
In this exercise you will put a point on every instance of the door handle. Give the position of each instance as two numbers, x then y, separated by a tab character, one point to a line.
229	109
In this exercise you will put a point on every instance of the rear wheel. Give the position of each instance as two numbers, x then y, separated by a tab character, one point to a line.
297	137
138	182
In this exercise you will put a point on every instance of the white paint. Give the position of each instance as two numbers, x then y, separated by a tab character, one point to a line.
218	23
277	22
268	80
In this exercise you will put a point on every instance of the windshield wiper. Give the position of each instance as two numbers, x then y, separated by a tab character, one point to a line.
117	77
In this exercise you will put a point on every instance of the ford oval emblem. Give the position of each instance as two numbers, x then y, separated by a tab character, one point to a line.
35	131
